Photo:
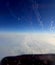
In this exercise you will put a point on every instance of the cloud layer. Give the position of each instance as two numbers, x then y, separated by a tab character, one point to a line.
16	44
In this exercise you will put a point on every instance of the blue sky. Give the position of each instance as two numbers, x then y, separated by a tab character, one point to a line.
27	15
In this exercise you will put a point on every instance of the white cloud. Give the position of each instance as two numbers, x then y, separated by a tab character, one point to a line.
15	44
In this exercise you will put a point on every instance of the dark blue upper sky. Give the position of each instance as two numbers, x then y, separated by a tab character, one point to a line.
27	15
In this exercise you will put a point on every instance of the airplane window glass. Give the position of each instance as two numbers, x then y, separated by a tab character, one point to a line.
27	27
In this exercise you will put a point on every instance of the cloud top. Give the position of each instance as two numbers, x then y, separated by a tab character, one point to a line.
18	44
